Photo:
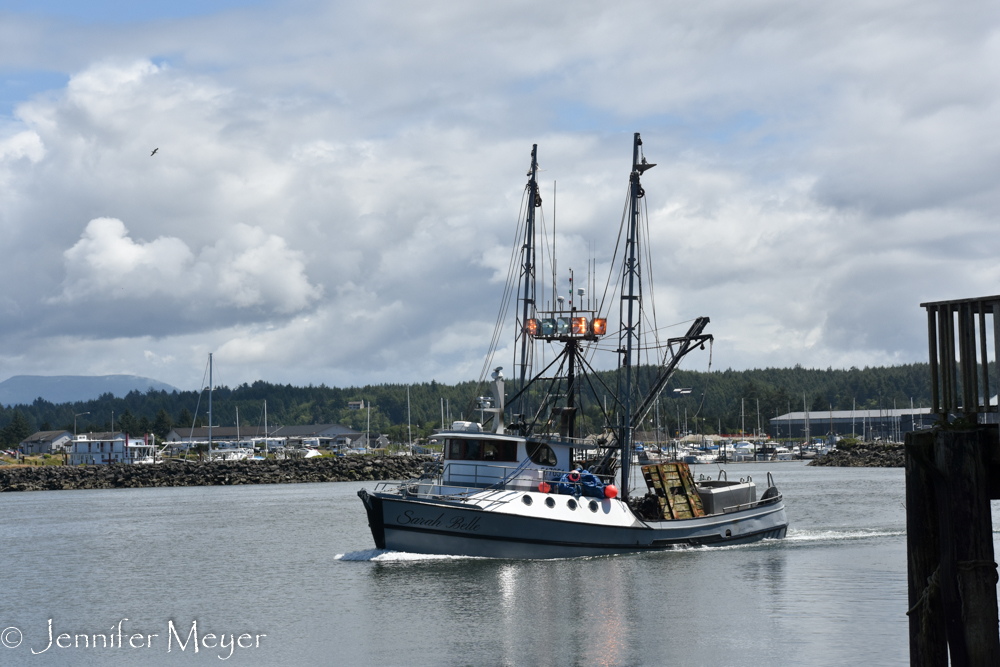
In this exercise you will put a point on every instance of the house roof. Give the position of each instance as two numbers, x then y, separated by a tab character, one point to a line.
312	430
201	432
820	415
47	436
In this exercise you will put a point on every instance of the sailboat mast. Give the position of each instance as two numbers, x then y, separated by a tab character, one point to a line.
209	406
534	200
630	325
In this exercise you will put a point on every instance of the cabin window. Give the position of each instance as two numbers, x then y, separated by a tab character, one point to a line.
499	451
541	454
472	450
480	450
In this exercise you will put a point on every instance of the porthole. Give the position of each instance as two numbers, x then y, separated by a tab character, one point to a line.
729	533
571	504
526	499
550	502
593	505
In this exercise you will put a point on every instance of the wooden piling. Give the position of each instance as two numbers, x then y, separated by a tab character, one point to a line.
928	640
951	573
962	456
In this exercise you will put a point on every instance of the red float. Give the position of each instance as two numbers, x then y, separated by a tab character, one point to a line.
543	487
610	491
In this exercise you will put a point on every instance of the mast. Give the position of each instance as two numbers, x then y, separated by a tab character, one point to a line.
209	406
628	337
528	250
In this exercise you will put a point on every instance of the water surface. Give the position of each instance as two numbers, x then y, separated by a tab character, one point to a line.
296	563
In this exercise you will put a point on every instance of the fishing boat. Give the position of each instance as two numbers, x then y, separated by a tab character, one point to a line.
522	483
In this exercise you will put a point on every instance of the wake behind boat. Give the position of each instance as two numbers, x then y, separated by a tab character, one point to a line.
533	489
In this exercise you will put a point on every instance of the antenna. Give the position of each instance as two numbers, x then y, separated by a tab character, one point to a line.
554	244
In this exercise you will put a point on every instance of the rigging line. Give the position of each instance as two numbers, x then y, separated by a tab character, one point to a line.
597	375
527	386
614	261
504	304
619	279
711	347
649	267
260	420
198	404
614	257
547	392
501	315
547	397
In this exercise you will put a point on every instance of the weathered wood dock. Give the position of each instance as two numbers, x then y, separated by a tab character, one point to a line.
952	473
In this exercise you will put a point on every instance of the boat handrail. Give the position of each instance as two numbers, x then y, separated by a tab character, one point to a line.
756	503
489	476
461	494
501	473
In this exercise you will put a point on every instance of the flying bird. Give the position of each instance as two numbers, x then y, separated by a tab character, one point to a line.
154	152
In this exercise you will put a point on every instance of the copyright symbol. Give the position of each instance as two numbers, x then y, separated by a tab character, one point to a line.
10	637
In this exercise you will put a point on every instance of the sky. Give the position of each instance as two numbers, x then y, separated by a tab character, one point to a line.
336	186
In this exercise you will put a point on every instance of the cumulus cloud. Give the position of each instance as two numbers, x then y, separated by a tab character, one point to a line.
247	268
339	207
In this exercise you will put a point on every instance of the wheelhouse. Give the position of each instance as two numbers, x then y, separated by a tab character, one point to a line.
479	460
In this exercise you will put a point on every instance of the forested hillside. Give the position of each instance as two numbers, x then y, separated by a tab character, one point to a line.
714	402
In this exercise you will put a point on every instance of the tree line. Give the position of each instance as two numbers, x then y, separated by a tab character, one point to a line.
712	404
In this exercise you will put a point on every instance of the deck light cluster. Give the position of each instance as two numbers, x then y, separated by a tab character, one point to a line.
558	325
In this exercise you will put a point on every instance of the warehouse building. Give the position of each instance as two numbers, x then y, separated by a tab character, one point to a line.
888	425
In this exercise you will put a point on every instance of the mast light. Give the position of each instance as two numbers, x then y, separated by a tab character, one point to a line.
600	326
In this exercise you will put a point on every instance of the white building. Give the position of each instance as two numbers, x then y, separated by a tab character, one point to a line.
104	448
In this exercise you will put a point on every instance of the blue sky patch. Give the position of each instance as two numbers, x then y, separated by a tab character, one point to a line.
121	11
18	86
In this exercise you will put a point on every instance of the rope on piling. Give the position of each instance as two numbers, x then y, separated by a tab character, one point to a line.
932	588
969	565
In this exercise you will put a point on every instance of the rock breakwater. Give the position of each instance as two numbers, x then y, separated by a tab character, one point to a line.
863	456
216	473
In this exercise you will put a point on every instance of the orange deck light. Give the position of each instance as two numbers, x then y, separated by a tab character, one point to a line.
579	326
531	327
600	326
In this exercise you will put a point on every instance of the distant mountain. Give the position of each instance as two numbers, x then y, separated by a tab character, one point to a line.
24	389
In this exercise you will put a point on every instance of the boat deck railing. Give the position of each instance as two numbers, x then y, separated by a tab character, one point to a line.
466	478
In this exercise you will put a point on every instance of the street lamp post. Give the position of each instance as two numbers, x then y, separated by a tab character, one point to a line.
79	414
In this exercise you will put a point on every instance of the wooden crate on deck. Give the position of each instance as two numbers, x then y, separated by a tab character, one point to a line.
674	488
